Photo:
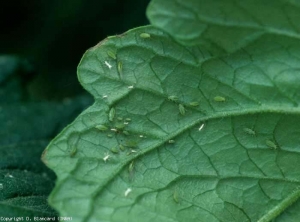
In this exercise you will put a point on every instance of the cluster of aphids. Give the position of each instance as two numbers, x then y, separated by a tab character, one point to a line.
117	126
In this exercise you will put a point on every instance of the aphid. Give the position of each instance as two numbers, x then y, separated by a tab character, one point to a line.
104	96
130	87
109	135
111	114
271	144
101	127
114	150
171	141
194	104
219	99
128	119
106	157
111	54
120	66
107	64
201	126
128	191
181	109
121	147
141	136
120	126
73	151
131	166
114	130
175	196
126	133
173	98
249	131
131	143
126	123
145	35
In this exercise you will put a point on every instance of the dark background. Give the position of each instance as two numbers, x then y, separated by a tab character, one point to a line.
54	34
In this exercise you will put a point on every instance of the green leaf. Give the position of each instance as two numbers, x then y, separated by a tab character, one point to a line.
212	170
27	128
225	25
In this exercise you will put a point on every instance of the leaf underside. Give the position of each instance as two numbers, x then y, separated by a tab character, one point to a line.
165	165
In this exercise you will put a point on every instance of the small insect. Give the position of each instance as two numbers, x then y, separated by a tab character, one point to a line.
145	35
181	109
171	141
114	150
126	133
120	66
73	151
106	157
194	104
120	126
173	98
108	65
104	96
271	144
114	130
175	196
141	136
111	54
131	166
126	123
219	99
127	192
201	126
101	127
131	143
130	87
249	131
121	147
111	114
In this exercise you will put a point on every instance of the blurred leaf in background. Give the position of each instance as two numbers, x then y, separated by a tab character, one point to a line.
55	34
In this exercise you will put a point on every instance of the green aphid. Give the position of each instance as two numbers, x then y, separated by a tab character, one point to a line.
181	109
131	143
173	98
194	104
111	54
249	131
120	67
101	127
73	152
131	167
111	114
171	141
271	144
122	147
109	135
120	126
219	99
145	35
126	133
128	119
175	196
114	150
